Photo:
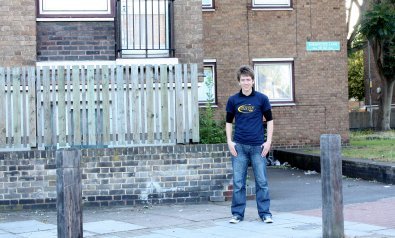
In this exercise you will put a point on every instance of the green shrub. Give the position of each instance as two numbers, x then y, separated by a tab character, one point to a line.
211	131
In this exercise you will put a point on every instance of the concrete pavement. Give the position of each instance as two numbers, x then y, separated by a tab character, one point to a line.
369	211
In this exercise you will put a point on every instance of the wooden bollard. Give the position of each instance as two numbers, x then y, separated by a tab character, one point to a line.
69	193
332	189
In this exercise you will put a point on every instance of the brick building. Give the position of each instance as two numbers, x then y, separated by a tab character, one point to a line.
298	48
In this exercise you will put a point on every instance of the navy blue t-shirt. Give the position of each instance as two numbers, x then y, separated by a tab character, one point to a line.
248	111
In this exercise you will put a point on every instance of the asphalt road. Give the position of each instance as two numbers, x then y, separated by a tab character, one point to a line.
295	190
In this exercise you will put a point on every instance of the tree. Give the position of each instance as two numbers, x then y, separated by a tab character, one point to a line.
378	27
356	87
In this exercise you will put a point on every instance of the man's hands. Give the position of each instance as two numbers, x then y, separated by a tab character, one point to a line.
266	148
232	148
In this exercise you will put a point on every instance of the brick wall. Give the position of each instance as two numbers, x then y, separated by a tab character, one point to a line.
119	176
17	32
75	41
188	32
235	35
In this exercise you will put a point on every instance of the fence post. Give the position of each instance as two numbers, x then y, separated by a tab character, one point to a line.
332	189
69	193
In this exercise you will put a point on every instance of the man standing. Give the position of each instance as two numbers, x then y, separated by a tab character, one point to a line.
249	108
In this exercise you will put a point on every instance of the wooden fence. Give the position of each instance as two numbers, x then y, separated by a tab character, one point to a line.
113	106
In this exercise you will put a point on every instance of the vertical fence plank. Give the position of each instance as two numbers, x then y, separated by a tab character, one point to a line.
84	107
91	120
61	107
2	109
157	103
106	105
127	103
143	108
24	115
39	95
179	105
135	104
164	103
150	104
54	115
47	106
194	103
76	105
32	107
69	113
186	104
172	105
9	106
113	107
121	105
16	107
98	104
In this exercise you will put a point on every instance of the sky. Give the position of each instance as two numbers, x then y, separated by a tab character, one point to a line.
354	14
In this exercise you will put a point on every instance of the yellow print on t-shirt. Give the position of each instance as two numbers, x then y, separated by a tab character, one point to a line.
247	108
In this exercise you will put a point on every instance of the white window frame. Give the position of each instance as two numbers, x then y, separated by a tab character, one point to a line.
75	8
209	67
272	4
208	4
280	71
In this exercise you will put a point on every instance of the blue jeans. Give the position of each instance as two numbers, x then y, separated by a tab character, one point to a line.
246	153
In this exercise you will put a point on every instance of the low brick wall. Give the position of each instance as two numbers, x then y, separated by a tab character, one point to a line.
121	176
354	168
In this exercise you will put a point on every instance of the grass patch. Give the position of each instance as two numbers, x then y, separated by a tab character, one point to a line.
368	144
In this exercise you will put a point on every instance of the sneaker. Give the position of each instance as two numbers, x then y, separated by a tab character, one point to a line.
267	220
235	220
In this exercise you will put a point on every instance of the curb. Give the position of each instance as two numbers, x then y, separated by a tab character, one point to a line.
353	168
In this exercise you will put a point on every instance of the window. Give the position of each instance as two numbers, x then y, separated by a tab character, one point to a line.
208	4
274	77
75	8
207	89
271	3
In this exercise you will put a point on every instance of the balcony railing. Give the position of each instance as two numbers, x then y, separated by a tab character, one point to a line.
144	28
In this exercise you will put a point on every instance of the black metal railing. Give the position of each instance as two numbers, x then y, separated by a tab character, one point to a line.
144	28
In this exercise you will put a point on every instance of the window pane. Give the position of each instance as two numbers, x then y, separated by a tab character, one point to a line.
275	80
70	8
74	5
207	3
271	3
206	92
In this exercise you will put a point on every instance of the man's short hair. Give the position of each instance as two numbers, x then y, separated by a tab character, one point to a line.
245	70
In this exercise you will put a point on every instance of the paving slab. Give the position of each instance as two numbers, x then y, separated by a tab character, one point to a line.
19	227
109	226
40	234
